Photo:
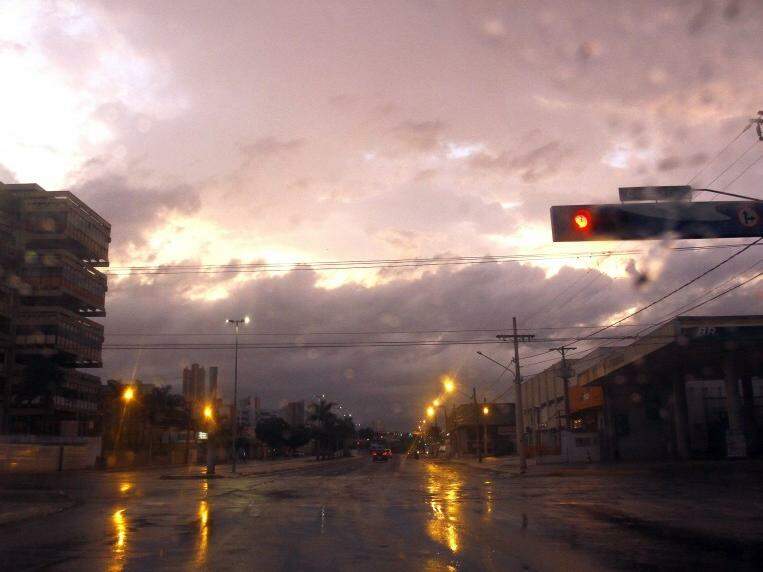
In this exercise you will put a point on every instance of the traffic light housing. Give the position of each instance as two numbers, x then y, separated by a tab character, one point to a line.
644	221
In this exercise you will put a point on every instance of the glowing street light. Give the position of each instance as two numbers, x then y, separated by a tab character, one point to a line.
430	411
449	384
436	403
128	394
208	413
485	410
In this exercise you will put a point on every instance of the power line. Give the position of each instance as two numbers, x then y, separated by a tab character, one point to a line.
719	153
389	263
314	345
367	332
674	291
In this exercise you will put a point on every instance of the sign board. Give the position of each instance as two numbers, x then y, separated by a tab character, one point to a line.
644	221
671	193
582	397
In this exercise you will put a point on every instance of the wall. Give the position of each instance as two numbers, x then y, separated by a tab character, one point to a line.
37	456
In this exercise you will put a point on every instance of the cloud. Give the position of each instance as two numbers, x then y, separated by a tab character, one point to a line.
538	164
420	135
6	175
271	146
134	210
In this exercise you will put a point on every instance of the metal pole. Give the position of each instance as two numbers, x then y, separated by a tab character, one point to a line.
519	416
566	378
484	427
477	423
234	411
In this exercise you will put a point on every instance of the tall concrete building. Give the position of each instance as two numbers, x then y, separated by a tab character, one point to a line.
212	390
294	413
51	244
194	383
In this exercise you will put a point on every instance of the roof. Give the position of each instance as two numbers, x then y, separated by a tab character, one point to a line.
684	331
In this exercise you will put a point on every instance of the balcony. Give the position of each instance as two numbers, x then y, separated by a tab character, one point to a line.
58	220
82	393
76	341
59	279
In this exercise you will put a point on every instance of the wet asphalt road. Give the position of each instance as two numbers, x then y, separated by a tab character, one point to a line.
402	515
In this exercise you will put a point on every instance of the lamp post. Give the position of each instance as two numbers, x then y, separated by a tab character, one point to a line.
234	411
209	420
127	396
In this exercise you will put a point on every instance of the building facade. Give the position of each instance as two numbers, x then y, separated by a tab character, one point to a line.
294	413
489	429
692	387
194	383
50	289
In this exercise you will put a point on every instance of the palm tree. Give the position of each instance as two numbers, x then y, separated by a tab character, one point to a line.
324	420
321	412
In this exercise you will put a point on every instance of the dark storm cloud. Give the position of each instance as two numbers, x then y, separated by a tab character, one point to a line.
383	383
133	210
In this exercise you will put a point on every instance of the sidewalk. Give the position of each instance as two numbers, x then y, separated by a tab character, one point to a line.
252	468
18	505
510	466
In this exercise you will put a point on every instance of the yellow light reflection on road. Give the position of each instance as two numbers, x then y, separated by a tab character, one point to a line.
203	546
124	487
120	542
443	487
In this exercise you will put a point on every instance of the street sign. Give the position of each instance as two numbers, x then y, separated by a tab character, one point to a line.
662	193
644	221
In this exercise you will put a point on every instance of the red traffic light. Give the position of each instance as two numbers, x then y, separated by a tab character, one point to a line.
582	220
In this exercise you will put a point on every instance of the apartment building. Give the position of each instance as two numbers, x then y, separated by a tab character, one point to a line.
51	244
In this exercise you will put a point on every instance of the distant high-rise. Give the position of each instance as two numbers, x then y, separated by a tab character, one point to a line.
212	390
294	413
194	383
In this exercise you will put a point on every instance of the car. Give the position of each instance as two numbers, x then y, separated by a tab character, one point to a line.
381	455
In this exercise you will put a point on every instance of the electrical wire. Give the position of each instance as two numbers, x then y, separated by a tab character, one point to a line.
389	263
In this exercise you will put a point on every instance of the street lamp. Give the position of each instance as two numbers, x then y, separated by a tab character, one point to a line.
448	384
234	413
430	411
128	394
485	410
209	417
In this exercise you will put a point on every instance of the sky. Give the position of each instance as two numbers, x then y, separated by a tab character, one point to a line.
299	132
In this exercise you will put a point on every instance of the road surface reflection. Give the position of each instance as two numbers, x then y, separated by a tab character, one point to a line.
119	548
202	546
443	488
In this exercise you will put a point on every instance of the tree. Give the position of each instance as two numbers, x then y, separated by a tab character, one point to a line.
297	436
321	413
366	433
324	421
271	431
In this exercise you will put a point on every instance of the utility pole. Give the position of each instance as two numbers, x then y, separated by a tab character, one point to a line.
518	385
234	411
477	422
484	425
566	377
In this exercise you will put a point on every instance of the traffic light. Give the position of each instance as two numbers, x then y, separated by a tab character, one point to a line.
644	221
